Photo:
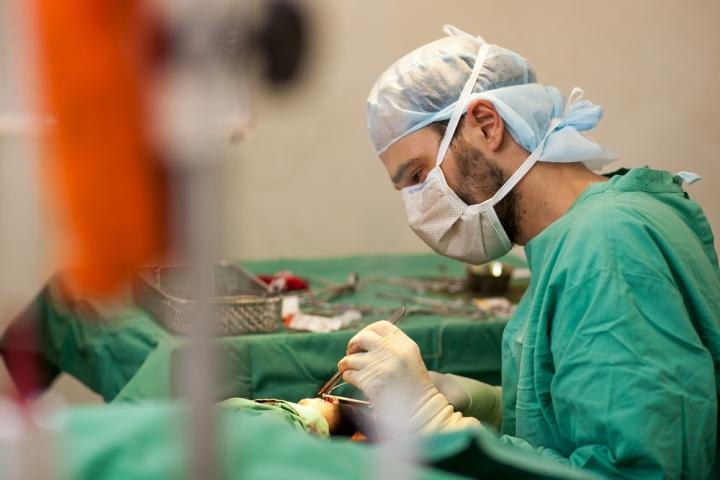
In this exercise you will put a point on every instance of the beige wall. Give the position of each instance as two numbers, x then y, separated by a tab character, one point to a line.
307	182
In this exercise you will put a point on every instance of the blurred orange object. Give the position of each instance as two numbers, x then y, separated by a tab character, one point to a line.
108	183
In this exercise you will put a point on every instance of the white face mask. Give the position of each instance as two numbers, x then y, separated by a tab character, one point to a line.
441	219
471	233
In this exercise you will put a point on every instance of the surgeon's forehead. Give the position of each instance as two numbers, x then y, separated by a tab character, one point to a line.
424	142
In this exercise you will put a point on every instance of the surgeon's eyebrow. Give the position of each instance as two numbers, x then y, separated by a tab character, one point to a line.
402	170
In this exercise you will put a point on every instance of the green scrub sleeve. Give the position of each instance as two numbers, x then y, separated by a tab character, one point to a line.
623	356
470	397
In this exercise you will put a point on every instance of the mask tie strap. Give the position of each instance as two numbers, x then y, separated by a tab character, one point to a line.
461	103
521	171
575	96
555	124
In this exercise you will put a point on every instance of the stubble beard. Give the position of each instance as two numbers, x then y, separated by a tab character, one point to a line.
479	179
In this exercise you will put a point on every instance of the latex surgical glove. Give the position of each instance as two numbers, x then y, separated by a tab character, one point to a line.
382	361
472	398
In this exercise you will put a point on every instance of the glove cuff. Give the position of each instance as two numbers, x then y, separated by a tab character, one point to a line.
434	413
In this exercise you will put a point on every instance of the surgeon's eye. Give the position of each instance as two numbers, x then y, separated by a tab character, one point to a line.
417	177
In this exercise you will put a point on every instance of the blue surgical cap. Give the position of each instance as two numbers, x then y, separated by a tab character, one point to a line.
533	111
423	87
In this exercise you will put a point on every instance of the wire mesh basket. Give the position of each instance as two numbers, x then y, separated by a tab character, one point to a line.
239	303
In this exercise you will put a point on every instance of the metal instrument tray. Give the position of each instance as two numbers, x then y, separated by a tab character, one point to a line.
239	303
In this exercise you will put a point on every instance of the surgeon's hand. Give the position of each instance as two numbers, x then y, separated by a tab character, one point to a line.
381	358
471	397
382	361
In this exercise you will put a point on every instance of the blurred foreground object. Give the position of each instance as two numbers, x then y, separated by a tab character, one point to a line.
97	61
203	101
105	176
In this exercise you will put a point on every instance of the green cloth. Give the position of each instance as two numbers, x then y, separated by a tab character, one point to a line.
101	349
612	361
149	442
124	355
304	418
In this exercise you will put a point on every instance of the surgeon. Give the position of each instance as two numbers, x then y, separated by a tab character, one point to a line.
611	362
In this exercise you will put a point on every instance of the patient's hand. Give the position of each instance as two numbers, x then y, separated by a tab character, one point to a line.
330	411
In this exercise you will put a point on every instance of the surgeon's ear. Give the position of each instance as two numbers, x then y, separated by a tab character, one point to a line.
486	123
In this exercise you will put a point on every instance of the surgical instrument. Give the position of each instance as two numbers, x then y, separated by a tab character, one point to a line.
330	384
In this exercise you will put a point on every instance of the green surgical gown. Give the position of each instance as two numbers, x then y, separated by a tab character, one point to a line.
612	359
